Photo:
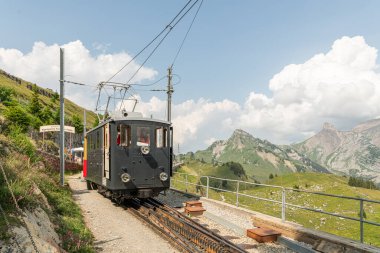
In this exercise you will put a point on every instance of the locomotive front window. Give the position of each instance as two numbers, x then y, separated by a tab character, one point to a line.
161	137
143	136
124	135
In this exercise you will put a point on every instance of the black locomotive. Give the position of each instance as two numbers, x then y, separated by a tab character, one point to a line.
128	156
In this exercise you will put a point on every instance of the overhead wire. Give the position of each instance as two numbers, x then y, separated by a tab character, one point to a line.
141	65
167	33
187	33
151	42
180	15
100	86
151	84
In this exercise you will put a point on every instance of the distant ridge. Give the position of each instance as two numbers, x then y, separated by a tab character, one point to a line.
260	158
355	152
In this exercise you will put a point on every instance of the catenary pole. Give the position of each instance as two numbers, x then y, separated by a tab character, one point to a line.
62	119
169	92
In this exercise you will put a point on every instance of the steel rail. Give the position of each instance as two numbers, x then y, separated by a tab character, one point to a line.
184	233
174	239
198	226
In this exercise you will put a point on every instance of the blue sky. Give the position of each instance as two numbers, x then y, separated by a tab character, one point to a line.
234	48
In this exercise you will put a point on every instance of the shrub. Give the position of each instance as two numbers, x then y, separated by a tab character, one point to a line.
21	142
96	122
361	182
18	117
270	176
236	168
35	122
35	105
6	94
54	97
46	115
77	123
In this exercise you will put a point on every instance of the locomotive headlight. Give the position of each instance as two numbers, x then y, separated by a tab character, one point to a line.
125	177
164	176
145	150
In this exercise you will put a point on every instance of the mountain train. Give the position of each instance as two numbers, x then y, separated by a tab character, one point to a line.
128	156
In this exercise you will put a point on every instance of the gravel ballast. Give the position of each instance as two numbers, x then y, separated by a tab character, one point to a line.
226	220
114	228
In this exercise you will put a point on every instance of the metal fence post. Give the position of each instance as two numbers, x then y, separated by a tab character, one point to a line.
283	205
237	193
361	221
207	186
186	182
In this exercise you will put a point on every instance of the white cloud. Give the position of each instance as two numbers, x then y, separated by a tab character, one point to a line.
41	66
341	86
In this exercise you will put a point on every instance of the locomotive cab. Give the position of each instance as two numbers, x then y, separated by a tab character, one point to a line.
129	156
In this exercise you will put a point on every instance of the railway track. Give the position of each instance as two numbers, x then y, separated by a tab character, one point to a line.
181	231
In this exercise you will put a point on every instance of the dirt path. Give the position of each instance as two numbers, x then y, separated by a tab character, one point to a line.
115	229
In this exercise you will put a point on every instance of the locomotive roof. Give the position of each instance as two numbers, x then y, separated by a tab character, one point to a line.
129	119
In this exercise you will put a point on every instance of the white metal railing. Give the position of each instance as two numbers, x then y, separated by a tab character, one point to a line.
283	203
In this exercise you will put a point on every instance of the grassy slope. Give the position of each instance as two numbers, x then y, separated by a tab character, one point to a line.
64	213
24	175
24	95
318	182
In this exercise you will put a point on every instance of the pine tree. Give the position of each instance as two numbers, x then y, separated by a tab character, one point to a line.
96	122
77	123
35	106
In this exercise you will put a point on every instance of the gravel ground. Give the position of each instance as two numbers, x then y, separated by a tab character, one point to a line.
231	223
115	229
244	242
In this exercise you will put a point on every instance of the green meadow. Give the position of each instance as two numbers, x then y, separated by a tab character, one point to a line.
313	182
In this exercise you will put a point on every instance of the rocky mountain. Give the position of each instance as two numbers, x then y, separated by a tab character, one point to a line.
355	152
258	157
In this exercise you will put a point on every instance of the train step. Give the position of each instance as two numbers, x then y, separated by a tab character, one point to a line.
194	210
263	234
193	203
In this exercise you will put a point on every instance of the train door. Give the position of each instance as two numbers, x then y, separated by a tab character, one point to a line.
145	163
106	143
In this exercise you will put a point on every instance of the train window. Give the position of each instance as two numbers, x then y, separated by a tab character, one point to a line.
143	136
123	135
92	141
161	137
97	140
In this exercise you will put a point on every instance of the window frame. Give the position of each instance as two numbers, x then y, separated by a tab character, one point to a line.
163	139
124	142
139	133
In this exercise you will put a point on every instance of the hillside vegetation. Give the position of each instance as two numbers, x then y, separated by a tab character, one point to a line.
46	97
36	189
35	185
309	181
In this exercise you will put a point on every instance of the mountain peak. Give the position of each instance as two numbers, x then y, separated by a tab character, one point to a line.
240	132
239	138
328	126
